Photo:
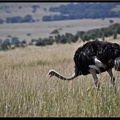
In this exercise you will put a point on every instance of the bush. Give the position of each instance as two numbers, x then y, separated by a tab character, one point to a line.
44	42
1	21
15	41
55	32
4	47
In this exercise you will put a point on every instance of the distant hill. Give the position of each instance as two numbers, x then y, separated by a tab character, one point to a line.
55	11
25	12
83	10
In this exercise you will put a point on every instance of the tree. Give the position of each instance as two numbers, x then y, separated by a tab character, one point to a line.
1	21
56	31
111	21
15	41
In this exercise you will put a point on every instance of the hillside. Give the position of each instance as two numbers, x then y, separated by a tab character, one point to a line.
52	11
36	10
85	10
41	29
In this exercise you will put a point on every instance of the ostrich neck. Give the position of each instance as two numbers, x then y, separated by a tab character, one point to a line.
63	77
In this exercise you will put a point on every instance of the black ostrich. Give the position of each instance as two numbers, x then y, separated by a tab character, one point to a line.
93	58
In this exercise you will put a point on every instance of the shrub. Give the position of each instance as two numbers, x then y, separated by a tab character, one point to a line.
54	31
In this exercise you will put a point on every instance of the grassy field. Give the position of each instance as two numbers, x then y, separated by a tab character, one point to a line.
26	91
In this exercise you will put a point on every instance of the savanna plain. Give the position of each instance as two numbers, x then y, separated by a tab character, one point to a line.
26	91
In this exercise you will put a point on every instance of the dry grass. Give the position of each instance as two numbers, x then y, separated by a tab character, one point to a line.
25	91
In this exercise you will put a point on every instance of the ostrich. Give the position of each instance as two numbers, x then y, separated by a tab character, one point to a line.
94	57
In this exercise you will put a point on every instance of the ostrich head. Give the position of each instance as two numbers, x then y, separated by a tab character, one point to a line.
55	73
51	73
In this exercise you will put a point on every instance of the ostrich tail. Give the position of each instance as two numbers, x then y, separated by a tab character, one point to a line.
117	64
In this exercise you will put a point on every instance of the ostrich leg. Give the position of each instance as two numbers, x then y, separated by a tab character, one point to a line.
93	72
112	78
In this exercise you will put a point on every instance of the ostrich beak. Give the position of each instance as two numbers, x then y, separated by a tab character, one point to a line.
49	75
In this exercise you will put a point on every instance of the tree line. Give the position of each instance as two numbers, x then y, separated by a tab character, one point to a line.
17	19
94	34
83	10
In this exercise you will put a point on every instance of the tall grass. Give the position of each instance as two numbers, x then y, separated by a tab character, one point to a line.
25	91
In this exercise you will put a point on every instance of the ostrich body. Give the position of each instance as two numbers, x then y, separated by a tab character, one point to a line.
93	58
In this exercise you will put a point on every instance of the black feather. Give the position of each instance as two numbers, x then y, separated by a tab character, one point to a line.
108	53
